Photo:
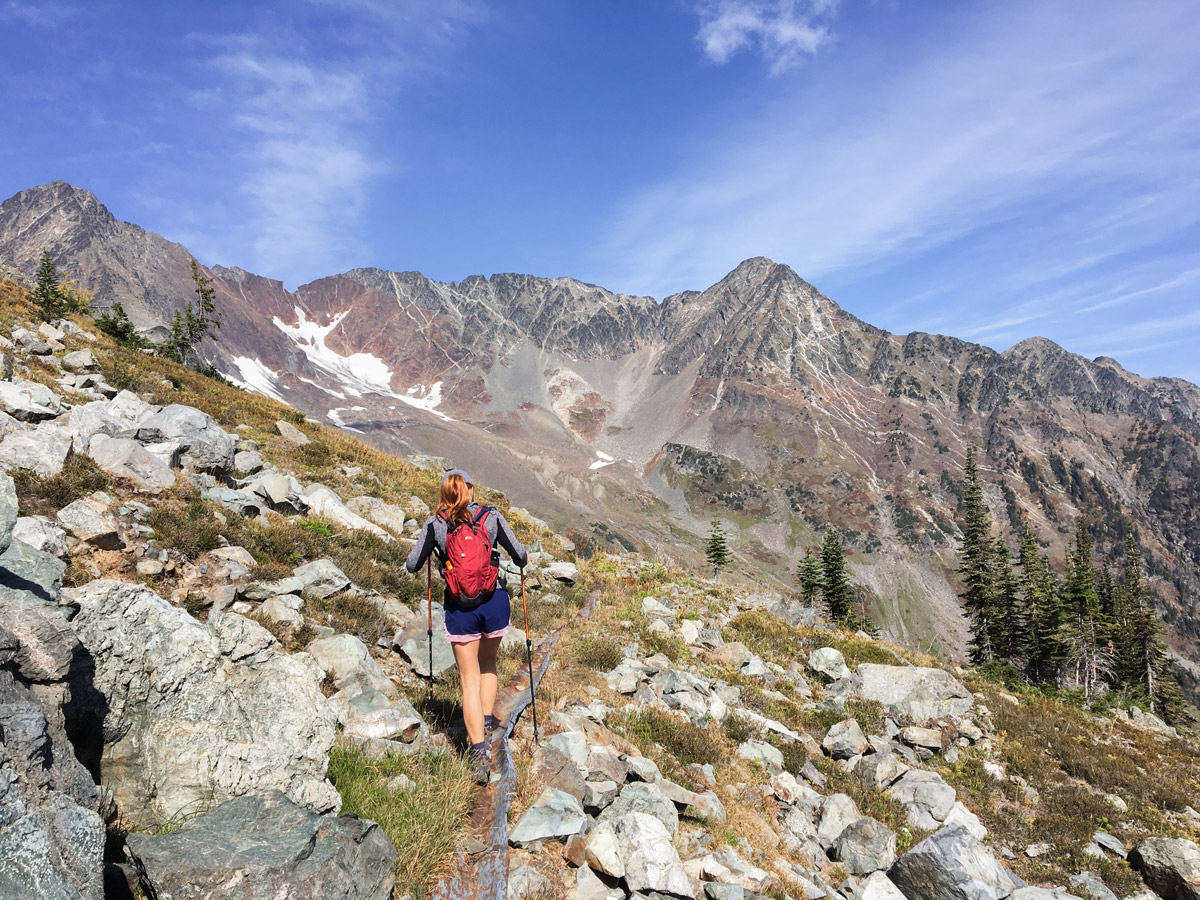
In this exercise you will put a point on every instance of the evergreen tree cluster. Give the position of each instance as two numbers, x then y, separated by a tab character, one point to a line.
822	573
57	296
1093	630
193	325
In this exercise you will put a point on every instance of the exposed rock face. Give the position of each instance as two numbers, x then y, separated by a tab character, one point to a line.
264	847
198	713
51	836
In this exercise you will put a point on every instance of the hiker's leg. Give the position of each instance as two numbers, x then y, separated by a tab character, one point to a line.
488	648
467	656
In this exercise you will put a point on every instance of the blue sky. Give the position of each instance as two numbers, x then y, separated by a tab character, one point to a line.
987	170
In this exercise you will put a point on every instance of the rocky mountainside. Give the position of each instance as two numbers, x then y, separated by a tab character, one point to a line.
215	678
758	401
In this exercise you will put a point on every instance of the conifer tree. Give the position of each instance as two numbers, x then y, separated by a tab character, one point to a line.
1085	627
191	326
116	322
1146	661
1007	621
976	566
47	292
1039	593
808	573
835	585
717	549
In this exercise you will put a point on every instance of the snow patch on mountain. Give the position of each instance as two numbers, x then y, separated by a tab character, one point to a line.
357	374
426	397
603	459
256	377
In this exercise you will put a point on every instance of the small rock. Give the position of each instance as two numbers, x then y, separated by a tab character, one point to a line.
525	881
292	434
553	815
82	521
828	663
865	846
845	740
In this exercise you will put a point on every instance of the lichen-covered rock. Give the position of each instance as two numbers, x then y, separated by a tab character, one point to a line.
264	847
199	713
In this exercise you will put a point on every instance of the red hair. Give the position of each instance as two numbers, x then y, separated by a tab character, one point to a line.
455	496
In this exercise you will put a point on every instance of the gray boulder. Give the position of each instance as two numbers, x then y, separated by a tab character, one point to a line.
126	458
526	881
39	450
29	401
264	847
643	797
845	740
197	713
649	858
292	434
379	512
926	797
554	815
201	444
828	663
321	578
951	865
324	502
9	509
913	692
1171	866
80	361
129	409
412	640
1037	893
566	572
41	534
838	812
875	886
51	837
84	522
865	846
28	570
344	658
90	419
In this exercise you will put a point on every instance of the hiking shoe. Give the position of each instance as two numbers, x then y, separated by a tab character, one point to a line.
481	766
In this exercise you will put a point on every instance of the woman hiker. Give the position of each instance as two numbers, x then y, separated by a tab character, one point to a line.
464	535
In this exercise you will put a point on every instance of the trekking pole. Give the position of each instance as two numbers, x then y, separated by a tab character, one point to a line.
529	657
429	632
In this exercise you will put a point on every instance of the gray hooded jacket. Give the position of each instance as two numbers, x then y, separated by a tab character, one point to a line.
433	537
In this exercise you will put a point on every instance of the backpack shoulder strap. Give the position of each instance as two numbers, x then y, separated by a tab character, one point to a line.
483	513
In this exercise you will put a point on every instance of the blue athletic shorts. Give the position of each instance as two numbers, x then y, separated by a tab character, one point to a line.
489	619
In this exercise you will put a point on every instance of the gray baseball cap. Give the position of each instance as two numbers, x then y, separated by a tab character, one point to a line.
463	473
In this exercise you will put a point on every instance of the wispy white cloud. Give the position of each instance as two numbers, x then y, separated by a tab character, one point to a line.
784	31
300	107
41	15
1056	137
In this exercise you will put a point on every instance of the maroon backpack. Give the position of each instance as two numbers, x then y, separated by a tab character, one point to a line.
469	567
